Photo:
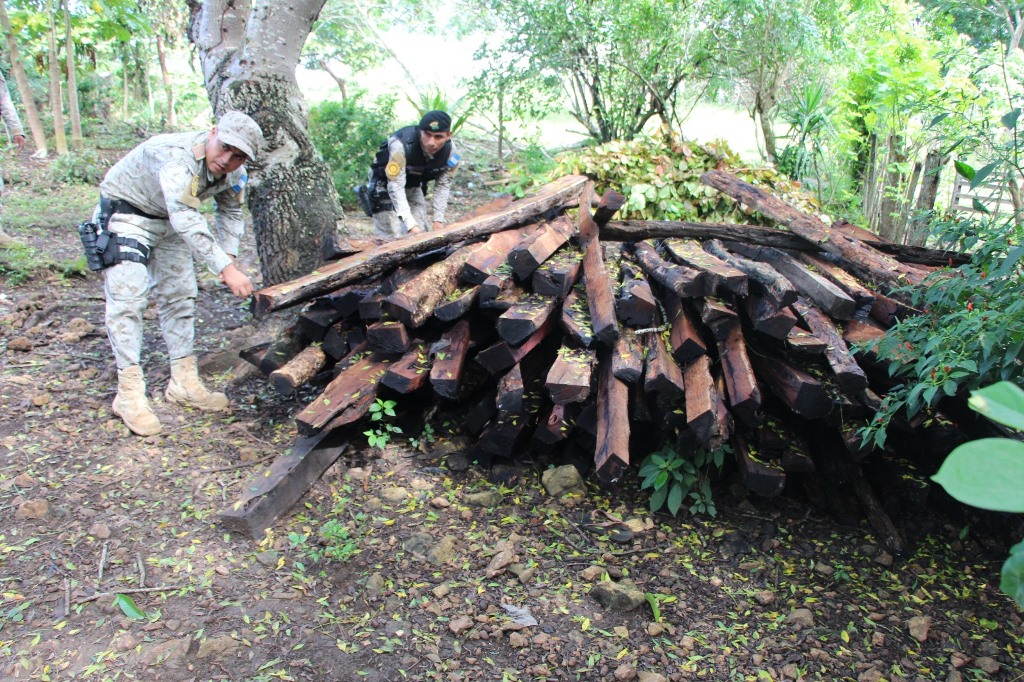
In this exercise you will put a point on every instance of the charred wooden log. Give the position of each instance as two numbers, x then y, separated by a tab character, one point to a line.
576	317
528	255
774	285
600	289
685	282
724	277
449	359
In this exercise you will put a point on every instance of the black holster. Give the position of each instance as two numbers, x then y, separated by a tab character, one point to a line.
103	247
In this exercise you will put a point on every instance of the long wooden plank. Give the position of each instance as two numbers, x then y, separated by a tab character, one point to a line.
575	317
743	392
702	401
415	300
600	289
826	295
409	373
298	370
798	390
639	230
449	360
685	281
724	277
611	456
851	376
491	255
561	193
501	356
870	264
355	382
539	246
684	336
771	282
558	274
522	320
272	491
570	378
627	358
635	305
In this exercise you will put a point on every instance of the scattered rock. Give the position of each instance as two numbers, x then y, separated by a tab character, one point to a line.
440	503
374	585
20	344
169	654
625	672
883	558
918	626
987	664
394	495
621	596
504	553
592	574
33	509
870	675
268	558
460	624
457	461
125	642
765	597
563	480
523	572
23	480
646	676
518	640
441	591
655	630
443	552
218	647
100	531
418	544
487	498
824	569
801	618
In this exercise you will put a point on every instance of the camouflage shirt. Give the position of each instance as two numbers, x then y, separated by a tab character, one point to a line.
7	110
167	176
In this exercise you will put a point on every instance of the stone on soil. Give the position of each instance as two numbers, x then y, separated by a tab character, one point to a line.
487	498
918	626
621	596
563	480
33	509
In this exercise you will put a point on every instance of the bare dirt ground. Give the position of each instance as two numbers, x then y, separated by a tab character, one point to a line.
390	568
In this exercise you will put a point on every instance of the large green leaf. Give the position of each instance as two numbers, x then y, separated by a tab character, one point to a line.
129	608
964	169
986	473
1002	402
1012	582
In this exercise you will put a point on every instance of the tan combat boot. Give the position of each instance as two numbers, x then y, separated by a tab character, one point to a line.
186	388
131	404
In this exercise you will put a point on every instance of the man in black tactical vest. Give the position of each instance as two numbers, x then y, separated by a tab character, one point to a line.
410	158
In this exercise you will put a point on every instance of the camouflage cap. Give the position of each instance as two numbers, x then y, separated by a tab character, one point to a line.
241	132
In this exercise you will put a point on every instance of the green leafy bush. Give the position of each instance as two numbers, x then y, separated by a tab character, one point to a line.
660	177
673	477
347	135
989	473
380	435
81	167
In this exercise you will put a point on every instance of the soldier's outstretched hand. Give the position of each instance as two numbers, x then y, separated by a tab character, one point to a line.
237	281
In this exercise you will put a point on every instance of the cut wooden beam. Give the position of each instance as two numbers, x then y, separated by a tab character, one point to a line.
570	378
409	373
724	277
342	338
635	305
297	371
560	193
661	373
804	342
371	307
774	285
509	396
798	390
575	317
558	424
684	336
685	281
449	360
861	295
414	302
600	289
498	292
315	320
767	318
558	274
611	457
743	393
499	357
254	354
273	490
346	396
492	254
457	304
283	348
522	320
607	206
826	295
639	230
627	358
851	377
506	434
888	310
528	255
702	401
869	264
856	331
387	337
759	476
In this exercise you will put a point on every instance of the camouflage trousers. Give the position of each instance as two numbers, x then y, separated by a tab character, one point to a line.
387	224
170	276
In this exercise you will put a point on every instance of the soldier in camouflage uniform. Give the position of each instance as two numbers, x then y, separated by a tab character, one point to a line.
152	196
409	159
17	135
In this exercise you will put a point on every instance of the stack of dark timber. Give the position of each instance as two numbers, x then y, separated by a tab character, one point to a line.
598	340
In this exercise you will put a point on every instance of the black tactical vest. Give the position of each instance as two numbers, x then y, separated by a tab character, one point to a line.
418	170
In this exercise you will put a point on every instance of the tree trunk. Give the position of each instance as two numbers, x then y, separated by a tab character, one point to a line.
917	230
342	84
27	103
870	196
763	104
60	140
249	55
124	83
172	116
77	141
889	227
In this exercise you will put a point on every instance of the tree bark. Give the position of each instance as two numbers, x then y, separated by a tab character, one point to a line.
249	54
172	116
60	140
917	230
77	142
27	103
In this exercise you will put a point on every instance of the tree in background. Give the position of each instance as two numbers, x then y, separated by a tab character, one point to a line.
617	63
249	54
28	102
985	22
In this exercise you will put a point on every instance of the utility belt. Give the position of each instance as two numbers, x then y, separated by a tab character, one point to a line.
103	247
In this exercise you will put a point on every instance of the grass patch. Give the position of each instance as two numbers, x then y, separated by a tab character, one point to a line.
42	208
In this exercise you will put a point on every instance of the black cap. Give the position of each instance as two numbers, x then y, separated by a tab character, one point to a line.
436	122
